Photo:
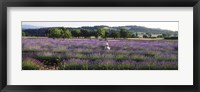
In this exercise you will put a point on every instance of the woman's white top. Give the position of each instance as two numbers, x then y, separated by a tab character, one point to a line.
107	44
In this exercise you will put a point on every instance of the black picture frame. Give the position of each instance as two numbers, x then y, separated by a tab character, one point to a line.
99	3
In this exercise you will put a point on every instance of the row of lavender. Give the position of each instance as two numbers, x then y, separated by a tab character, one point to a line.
86	54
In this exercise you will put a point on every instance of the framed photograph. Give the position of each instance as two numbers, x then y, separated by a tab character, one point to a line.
88	45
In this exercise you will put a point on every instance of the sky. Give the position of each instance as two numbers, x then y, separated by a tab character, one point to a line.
173	26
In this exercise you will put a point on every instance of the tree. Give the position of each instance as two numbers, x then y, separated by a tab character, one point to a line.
23	34
102	33
85	33
66	34
133	36
136	35
166	35
55	33
76	33
145	36
106	34
160	36
96	34
115	34
128	34
148	35
93	33
124	33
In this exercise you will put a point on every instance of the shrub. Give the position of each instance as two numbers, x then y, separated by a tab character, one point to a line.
30	65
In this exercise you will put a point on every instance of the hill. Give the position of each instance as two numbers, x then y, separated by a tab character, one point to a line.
30	27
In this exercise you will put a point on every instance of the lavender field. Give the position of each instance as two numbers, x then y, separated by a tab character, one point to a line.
89	54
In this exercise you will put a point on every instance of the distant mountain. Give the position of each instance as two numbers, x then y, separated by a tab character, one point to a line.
132	28
147	30
31	27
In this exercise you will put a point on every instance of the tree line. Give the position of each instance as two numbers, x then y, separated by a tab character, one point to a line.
99	33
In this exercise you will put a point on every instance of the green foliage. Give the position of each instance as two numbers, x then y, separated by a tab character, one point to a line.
59	33
166	35
76	33
149	35
151	53
23	34
73	66
102	32
66	34
125	34
98	66
145	36
166	58
55	33
106	33
49	60
160	36
138	58
171	38
134	35
85	33
115	34
30	65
